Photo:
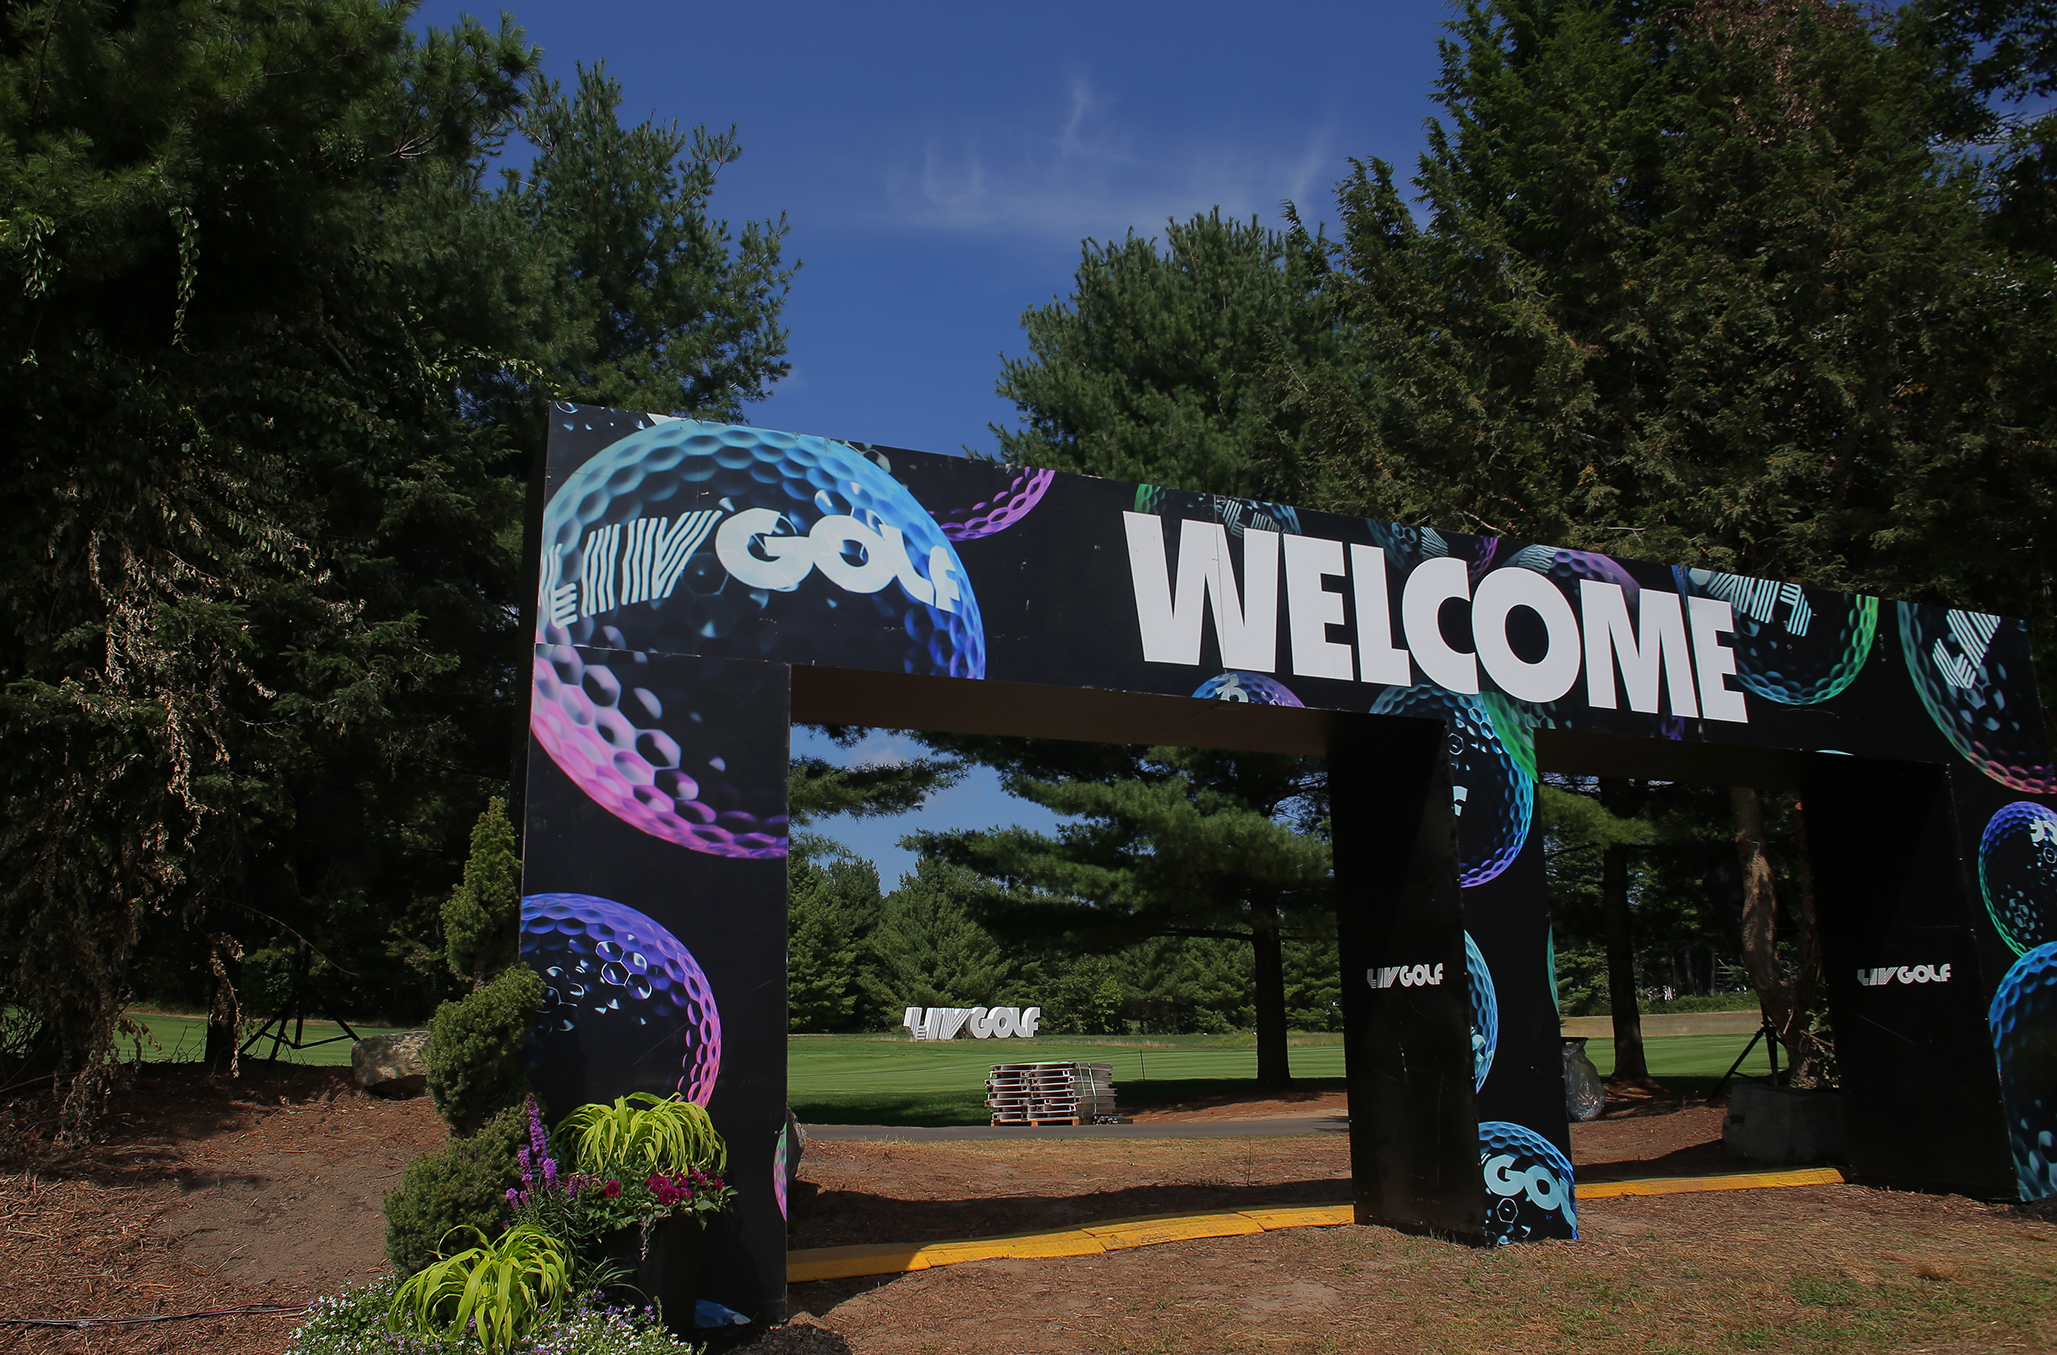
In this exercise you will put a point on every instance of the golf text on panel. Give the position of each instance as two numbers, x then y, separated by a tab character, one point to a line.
1920	973
984	1023
1407	976
1669	654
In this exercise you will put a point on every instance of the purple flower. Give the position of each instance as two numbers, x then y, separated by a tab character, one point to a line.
550	1172
513	1195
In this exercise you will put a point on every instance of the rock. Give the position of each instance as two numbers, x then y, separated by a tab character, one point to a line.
391	1065
1784	1127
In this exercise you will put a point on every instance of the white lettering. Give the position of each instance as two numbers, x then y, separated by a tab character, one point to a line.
1658	645
984	1023
1433	583
1377	659
1715	662
1246	627
832	537
786	559
1407	976
1311	609
1549	677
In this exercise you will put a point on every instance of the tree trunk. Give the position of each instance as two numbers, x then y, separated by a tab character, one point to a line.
1621	966
1805	1054
224	1013
1272	1068
1760	910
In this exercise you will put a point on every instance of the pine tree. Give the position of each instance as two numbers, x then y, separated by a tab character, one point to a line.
481	919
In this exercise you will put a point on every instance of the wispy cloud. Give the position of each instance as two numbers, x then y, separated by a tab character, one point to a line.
1087	171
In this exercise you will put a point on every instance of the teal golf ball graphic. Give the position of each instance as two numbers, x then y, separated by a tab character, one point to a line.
1797	646
2017	874
651	751
2023	1021
1973	675
1256	689
726	541
622	999
1493	797
1485	1013
1529	1187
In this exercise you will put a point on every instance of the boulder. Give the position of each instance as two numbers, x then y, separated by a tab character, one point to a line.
1778	1126
391	1065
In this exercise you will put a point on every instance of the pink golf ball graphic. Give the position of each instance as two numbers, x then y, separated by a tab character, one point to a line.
1019	489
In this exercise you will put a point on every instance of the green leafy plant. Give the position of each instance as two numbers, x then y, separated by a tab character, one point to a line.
657	1134
464	1185
500	1289
474	1059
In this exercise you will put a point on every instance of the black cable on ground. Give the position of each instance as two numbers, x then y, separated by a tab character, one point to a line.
240	1310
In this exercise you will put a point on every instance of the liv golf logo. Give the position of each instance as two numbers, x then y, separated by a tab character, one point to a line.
1407	976
1920	973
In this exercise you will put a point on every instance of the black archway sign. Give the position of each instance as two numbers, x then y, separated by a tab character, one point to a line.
701	586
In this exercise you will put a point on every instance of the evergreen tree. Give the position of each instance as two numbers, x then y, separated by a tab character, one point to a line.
481	919
1167	842
927	951
1159	366
834	905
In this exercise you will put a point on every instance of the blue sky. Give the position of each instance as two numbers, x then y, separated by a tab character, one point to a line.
940	164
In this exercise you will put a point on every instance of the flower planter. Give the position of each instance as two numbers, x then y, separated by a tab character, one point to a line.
669	1273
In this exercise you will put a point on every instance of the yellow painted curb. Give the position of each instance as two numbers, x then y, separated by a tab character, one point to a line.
840	1263
1685	1185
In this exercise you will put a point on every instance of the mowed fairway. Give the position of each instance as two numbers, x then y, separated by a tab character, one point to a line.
892	1080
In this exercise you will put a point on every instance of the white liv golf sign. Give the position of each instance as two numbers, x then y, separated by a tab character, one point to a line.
984	1023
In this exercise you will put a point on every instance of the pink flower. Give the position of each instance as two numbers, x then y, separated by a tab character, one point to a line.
612	1190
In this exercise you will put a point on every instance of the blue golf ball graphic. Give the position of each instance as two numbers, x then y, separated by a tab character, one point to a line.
1794	645
2023	1021
1239	514
2017	874
1485	1013
1255	689
625	1005
1973	674
1405	546
1529	1186
1493	797
727	542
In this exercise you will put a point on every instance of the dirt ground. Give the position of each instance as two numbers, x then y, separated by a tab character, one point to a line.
267	1191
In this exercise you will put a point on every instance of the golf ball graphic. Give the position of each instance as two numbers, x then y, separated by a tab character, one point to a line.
1239	514
1493	797
1406	547
2023	1020
2017	874
649	750
778	1169
737	542
1798	646
1529	1189
625	1006
1485	1013
1018	489
1972	672
1254	688
1566	568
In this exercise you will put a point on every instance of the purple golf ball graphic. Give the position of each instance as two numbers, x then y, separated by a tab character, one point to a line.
1797	646
2017	874
649	750
1018	489
1254	688
1493	797
1972	673
1529	1189
624	1003
733	542
2023	1021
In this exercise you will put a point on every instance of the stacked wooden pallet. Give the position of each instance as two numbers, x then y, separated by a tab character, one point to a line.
1051	1093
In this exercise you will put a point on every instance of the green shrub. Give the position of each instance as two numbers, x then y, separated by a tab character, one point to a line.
475	1062
482	920
464	1185
353	1322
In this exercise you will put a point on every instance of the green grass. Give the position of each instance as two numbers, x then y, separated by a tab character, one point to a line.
891	1080
182	1039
